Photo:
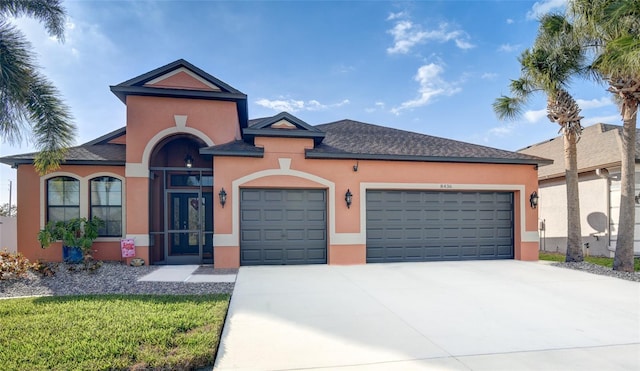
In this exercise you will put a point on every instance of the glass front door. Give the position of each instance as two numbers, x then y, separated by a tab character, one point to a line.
187	221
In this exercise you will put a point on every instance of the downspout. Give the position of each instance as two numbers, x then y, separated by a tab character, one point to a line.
604	174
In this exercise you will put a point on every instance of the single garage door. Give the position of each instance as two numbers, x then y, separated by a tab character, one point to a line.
433	225
283	226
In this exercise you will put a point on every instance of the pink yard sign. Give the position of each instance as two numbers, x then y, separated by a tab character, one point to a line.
128	247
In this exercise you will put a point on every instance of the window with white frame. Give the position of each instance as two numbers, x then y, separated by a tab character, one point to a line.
63	198
106	204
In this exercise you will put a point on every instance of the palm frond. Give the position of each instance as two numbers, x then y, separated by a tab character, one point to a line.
53	129
621	57
50	12
508	108
15	64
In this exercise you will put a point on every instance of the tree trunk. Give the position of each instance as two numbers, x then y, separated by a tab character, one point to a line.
623	260
574	233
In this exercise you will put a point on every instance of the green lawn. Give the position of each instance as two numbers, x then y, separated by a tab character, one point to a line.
106	332
607	262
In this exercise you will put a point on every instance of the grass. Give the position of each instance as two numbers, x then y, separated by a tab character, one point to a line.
106	332
599	260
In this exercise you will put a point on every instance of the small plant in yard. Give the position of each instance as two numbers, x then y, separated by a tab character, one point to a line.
74	233
13	265
45	269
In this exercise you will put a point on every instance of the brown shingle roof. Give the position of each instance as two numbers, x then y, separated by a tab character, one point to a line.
353	139
99	154
600	146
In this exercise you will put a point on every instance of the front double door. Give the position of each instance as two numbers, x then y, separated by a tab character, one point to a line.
189	227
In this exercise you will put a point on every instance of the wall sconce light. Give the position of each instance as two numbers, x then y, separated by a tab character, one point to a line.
223	197
638	199
533	199
355	167
348	198
188	161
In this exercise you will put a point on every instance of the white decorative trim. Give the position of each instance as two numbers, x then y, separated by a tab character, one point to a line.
233	239
84	195
188	72
530	236
160	136
136	170
285	163
225	240
181	121
139	239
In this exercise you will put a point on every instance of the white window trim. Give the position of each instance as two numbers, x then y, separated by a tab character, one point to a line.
84	197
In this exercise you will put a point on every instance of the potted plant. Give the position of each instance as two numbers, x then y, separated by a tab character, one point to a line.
77	236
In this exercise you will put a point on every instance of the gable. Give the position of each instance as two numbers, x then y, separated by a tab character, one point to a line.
182	78
282	125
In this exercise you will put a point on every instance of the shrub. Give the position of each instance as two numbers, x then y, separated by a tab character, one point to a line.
13	265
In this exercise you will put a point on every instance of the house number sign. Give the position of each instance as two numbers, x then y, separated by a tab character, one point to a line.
446	186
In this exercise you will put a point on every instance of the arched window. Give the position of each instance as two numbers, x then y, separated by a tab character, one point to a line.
63	198
106	204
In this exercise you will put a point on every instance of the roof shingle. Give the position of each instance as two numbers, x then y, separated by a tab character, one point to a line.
600	146
353	139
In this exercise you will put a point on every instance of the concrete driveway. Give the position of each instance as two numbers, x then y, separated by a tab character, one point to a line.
479	315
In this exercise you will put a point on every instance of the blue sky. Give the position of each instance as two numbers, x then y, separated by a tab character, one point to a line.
432	67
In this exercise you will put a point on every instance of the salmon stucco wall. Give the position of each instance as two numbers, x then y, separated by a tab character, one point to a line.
149	121
284	166
32	210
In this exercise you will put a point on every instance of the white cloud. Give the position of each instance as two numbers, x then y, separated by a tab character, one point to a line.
464	44
545	6
431	86
377	106
613	119
508	48
594	103
80	37
510	21
393	16
342	68
502	131
535	116
489	76
406	35
292	105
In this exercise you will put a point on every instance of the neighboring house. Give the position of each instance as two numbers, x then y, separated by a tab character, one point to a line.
599	157
8	234
192	180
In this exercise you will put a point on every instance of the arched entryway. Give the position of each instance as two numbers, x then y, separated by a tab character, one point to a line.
181	202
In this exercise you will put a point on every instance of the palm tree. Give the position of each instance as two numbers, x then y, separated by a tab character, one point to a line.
548	67
611	29
28	101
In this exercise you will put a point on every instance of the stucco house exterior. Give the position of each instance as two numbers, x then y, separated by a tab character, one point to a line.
599	157
191	179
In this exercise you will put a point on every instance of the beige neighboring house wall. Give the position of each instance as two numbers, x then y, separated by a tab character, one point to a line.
599	154
8	234
615	209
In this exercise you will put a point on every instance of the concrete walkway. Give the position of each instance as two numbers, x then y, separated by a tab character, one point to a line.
480	315
187	273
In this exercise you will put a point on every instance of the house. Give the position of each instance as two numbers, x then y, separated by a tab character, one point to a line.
599	157
192	180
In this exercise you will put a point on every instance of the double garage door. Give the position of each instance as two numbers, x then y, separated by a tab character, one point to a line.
289	226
